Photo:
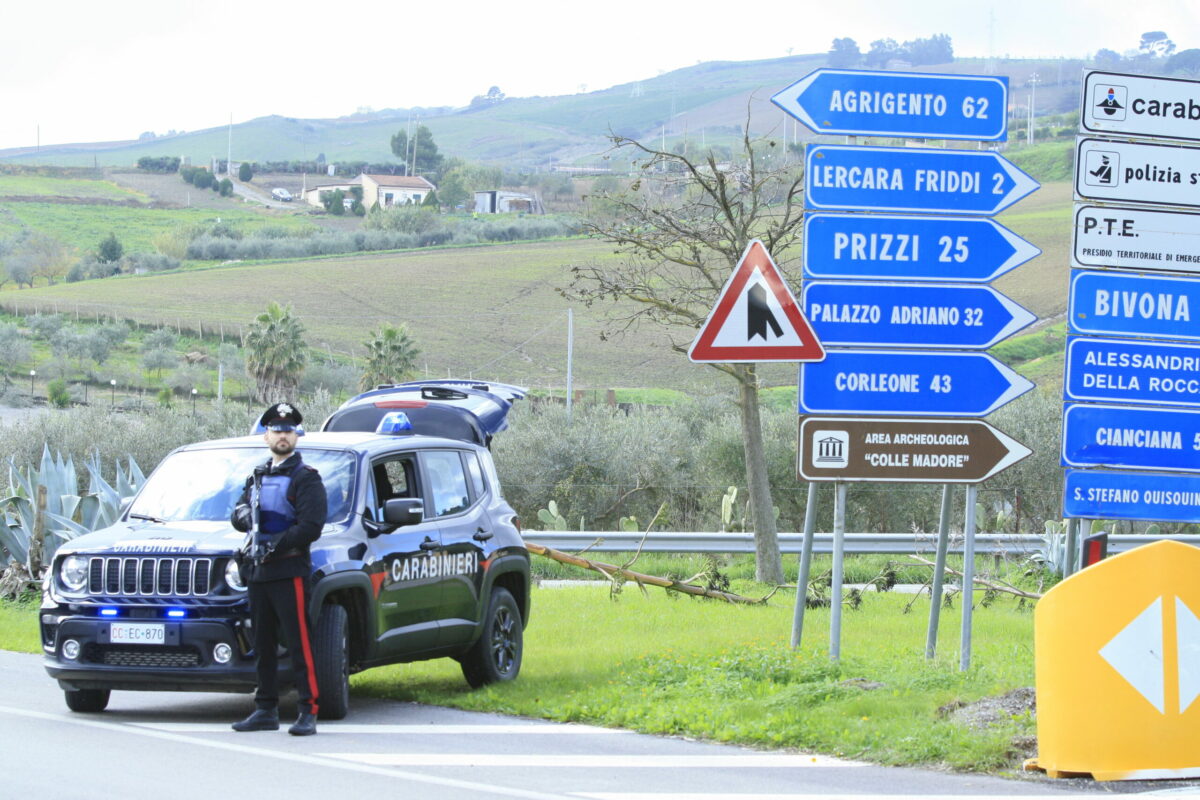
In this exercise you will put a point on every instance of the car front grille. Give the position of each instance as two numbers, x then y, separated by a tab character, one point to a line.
149	576
114	655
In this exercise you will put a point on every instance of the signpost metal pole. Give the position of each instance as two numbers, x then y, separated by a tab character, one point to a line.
835	590
1072	540
968	578
939	572
810	521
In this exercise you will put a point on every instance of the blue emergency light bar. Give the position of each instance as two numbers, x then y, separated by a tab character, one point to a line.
395	422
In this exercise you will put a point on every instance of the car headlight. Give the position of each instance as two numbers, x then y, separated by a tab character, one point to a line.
74	573
233	576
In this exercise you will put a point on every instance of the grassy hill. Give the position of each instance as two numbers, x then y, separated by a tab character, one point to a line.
488	311
707	101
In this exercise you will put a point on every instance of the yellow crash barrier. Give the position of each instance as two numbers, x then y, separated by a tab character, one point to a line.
1117	658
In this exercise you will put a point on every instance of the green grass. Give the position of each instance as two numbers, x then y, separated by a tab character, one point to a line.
669	665
489	312
83	226
46	186
1048	161
19	625
715	671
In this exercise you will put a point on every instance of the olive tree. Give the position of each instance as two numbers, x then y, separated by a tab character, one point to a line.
680	230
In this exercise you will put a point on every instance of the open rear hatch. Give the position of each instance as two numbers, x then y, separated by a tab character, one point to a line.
470	411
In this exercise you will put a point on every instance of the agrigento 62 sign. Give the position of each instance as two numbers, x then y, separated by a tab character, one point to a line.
903	450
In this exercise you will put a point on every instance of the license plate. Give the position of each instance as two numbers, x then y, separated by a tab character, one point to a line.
137	633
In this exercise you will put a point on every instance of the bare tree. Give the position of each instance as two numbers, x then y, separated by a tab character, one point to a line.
681	229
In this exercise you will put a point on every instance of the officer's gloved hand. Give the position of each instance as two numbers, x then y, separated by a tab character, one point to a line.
242	518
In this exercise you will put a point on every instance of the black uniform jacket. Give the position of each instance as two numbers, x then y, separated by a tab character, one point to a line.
290	557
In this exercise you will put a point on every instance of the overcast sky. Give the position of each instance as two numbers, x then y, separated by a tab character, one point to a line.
89	71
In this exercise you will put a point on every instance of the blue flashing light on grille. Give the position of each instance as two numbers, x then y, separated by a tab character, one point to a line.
108	612
176	613
394	422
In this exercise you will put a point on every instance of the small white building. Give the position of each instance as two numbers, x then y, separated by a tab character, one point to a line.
394	190
313	195
499	201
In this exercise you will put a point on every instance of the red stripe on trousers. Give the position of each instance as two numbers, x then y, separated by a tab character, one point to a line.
302	616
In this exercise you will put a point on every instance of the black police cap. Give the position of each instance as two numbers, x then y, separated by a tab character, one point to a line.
280	412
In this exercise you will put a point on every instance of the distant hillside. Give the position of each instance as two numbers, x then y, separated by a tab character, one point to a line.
707	102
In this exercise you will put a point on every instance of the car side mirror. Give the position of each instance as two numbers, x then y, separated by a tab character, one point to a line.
401	511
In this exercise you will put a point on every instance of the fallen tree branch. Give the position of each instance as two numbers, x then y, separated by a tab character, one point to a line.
996	586
611	571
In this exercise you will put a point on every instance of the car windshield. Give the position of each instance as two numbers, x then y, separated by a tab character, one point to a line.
204	484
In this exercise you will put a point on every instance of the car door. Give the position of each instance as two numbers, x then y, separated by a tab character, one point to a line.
465	528
409	595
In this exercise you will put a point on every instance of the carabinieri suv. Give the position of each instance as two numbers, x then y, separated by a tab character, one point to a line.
420	557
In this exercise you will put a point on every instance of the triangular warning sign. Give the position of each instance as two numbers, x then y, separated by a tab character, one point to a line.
756	318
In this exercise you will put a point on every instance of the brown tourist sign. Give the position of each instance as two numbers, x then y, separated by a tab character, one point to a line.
908	450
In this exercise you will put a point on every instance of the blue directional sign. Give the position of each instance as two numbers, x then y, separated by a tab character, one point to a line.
908	383
919	105
1097	494
902	248
845	178
959	316
1131	437
1131	371
1124	304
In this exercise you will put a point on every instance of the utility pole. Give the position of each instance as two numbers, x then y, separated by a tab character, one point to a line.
229	154
1033	82
570	358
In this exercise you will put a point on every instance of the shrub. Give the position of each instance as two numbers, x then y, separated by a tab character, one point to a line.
163	164
245	173
145	261
225	187
110	249
44	326
57	394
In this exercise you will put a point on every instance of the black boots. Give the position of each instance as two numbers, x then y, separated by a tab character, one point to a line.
267	719
263	719
306	724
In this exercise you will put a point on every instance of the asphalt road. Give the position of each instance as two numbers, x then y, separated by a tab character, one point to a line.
152	745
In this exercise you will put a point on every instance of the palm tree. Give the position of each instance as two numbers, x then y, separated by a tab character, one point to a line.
391	356
275	353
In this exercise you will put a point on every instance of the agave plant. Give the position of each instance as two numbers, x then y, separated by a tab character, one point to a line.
67	513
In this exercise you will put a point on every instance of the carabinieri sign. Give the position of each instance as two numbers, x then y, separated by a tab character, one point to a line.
839	177
910	248
919	105
1118	104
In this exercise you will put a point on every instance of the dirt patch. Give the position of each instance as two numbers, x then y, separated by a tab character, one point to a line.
986	712
989	711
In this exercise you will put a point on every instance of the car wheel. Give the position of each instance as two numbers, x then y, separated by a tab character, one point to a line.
496	657
332	657
87	700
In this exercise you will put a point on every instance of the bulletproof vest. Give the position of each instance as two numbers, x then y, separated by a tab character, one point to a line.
275	512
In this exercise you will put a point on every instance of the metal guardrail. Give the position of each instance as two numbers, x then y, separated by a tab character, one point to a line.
791	543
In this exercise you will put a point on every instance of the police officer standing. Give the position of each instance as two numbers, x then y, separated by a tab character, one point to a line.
283	507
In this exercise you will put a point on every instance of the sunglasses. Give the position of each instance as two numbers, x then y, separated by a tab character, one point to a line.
281	427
